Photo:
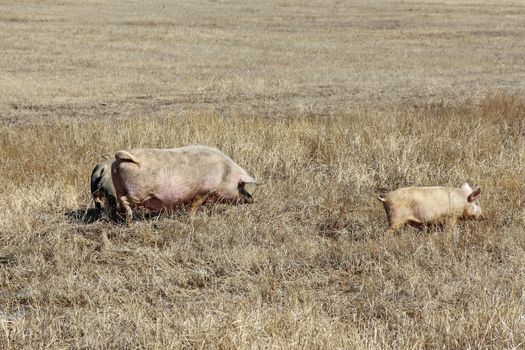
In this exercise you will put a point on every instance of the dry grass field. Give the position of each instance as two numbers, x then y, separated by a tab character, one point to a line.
327	104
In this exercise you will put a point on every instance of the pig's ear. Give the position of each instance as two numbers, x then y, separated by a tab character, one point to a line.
247	179
474	195
466	188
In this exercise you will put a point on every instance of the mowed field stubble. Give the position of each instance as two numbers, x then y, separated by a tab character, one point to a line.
327	104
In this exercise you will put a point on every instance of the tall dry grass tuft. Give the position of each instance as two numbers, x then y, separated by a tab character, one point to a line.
307	266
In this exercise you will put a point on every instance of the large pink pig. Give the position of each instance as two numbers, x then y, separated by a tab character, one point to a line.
431	205
162	179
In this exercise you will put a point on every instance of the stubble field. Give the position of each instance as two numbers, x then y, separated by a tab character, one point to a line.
327	104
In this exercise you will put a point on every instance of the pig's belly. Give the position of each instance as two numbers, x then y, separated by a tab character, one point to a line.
430	215
178	191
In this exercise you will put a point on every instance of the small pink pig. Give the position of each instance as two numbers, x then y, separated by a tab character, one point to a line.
162	179
431	205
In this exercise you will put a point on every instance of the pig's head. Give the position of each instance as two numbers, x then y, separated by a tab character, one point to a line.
472	208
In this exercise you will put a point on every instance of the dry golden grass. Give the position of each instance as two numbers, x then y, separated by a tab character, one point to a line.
99	58
327	104
307	266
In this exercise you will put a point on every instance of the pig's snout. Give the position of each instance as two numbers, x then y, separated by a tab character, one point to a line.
244	196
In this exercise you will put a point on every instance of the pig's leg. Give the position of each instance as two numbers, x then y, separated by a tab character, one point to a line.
98	202
392	229
395	223
389	215
197	203
111	209
449	223
124	205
